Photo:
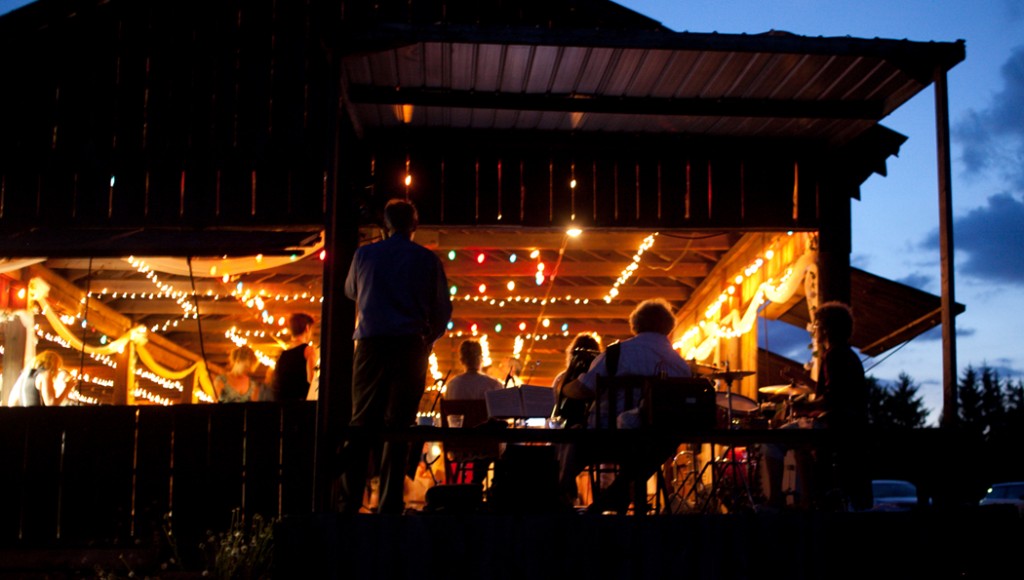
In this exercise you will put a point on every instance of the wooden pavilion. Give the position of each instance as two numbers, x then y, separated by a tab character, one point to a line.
224	131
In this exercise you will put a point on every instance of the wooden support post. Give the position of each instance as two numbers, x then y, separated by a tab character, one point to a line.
834	243
949	372
341	238
16	347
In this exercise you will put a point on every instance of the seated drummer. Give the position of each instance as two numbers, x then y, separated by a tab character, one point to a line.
648	353
839	404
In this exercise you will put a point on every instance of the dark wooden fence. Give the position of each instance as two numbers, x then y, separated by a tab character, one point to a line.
103	476
117	475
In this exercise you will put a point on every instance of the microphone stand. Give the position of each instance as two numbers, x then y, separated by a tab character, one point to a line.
440	387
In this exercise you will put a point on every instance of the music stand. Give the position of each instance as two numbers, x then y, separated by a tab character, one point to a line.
520	403
525	475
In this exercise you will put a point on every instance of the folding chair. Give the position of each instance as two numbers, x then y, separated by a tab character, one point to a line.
663	404
463	459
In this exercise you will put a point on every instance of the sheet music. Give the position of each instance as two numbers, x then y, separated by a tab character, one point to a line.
537	401
520	402
503	403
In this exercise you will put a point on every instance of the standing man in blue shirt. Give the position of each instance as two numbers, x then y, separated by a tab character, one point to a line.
401	295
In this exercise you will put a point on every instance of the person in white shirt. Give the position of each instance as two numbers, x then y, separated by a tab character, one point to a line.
648	353
472	384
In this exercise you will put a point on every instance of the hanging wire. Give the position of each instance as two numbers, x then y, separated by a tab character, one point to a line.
85	324
889	354
199	319
544	304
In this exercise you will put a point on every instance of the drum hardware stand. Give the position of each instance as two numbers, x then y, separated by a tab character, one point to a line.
718	465
684	473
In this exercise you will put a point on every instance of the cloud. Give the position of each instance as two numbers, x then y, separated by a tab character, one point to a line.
992	139
1003	366
990	240
935	334
917	280
785	339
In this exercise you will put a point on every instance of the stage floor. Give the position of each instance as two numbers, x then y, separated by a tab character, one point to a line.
964	543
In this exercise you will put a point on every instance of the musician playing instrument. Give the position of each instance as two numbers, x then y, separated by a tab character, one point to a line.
648	353
471	384
839	403
578	357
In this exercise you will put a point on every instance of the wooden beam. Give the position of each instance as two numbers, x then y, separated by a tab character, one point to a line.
618	104
591	240
111	322
528	269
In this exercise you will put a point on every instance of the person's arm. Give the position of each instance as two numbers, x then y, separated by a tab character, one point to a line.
68	387
312	361
350	282
800	377
805	405
574	389
218	386
442	308
14	399
268	384
256	390
577	388
47	391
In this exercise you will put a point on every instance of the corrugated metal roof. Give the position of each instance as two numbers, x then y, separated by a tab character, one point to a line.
759	86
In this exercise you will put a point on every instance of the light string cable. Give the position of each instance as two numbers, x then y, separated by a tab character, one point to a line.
544	304
889	354
199	319
85	327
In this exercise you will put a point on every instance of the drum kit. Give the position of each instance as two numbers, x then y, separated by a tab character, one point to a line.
735	478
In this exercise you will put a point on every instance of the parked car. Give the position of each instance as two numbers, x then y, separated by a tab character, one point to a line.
894	495
1009	493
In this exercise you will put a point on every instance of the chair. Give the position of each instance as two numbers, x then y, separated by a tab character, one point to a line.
463	458
664	404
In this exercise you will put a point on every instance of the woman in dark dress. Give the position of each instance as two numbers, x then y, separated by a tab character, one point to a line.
290	378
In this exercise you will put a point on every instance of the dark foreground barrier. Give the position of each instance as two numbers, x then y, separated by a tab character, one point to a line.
118	476
95	480
939	544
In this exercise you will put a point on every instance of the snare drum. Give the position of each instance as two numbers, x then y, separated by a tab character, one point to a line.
745	411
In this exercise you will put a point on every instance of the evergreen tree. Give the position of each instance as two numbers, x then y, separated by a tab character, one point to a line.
993	406
904	408
1015	403
877	395
969	405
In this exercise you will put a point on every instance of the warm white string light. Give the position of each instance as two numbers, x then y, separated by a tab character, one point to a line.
435	370
633	266
485	348
53	338
733	324
233	335
163	382
140	393
182	298
508	300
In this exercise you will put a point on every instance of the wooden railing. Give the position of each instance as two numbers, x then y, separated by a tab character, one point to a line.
110	475
114	474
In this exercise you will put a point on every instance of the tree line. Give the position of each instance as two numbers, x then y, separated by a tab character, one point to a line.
988	429
988	405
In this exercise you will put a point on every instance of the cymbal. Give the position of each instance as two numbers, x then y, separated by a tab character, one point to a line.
788	390
730	375
702	369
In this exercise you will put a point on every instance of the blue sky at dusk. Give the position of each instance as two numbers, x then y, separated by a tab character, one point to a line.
895	222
